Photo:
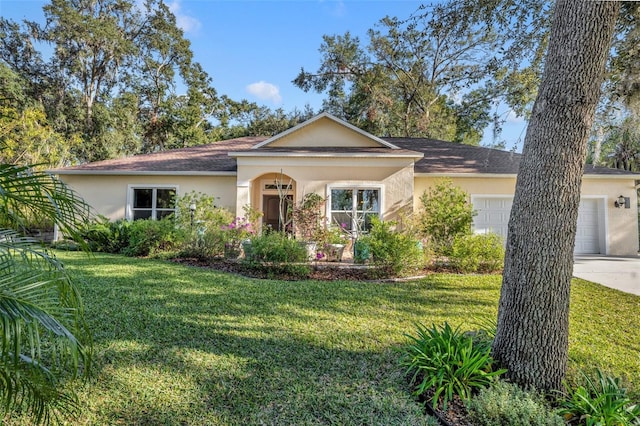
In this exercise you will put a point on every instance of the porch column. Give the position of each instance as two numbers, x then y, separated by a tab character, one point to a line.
243	197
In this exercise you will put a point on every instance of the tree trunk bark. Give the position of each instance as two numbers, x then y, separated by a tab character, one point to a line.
533	318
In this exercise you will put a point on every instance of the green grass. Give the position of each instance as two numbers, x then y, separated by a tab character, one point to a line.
177	345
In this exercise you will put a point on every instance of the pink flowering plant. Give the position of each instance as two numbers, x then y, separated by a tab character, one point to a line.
238	230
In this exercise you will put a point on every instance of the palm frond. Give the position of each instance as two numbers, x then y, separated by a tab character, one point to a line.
27	193
42	331
43	337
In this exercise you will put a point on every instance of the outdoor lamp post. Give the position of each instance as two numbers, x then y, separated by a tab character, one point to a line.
192	210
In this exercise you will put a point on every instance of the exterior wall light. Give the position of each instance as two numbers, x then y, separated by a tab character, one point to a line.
622	201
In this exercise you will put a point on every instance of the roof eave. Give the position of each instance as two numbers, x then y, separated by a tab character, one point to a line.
142	173
416	155
514	175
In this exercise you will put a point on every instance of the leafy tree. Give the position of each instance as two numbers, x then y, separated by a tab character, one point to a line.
26	138
25	134
253	120
446	213
44	338
531	340
623	83
171	120
621	148
437	73
113	78
615	140
90	45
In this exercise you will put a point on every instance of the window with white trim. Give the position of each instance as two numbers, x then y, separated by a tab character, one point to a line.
353	208
152	202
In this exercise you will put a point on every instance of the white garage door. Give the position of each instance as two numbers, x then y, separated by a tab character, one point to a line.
493	216
588	232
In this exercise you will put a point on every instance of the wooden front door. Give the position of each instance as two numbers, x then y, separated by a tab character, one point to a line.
271	211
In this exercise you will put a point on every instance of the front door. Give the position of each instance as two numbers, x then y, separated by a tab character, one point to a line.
271	209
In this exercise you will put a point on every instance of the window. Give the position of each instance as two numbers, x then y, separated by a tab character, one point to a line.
353	208
152	203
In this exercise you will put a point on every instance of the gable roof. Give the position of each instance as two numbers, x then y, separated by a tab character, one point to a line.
321	136
371	140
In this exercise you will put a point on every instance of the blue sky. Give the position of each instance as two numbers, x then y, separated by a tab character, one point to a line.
253	49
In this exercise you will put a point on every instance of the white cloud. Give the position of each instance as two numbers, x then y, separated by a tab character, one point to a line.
265	91
187	23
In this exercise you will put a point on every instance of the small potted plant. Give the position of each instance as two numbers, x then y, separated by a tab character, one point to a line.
334	241
236	232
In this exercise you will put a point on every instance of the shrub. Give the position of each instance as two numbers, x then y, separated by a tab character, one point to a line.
506	404
599	401
275	255
477	253
203	230
447	361
361	250
307	216
446	213
277	247
396	253
106	236
151	236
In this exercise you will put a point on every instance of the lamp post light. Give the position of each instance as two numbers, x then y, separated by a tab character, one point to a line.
192	210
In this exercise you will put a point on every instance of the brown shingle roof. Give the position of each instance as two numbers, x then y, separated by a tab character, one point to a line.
202	158
448	157
439	157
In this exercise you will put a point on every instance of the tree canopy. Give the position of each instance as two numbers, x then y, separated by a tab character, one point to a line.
121	80
438	73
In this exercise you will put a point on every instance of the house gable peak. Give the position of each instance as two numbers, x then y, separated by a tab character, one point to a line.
325	130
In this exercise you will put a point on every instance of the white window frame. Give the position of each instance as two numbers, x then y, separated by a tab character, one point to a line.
355	187
130	197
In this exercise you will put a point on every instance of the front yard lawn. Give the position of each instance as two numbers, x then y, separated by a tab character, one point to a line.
179	345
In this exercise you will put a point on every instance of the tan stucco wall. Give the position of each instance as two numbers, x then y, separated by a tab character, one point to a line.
322	133
108	194
393	176
620	224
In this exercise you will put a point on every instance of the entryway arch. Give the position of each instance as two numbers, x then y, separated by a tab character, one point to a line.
273	194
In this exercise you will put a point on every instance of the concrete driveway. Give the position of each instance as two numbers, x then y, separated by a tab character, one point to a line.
622	273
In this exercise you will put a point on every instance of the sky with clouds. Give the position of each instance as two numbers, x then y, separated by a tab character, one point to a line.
254	49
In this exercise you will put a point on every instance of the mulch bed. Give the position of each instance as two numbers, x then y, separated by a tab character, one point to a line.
323	272
456	413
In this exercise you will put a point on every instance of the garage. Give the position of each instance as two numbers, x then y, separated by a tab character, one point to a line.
493	216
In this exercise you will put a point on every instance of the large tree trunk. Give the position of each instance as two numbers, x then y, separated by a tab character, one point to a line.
533	318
